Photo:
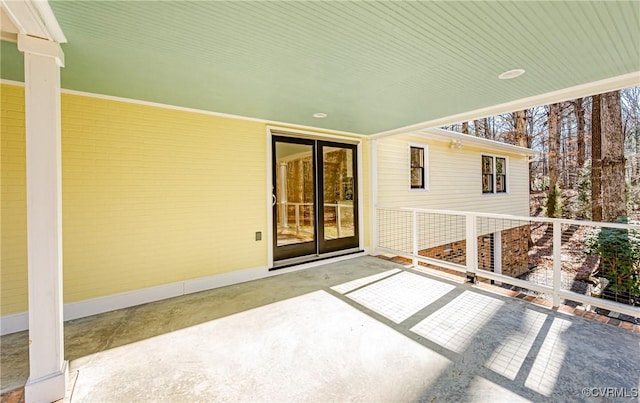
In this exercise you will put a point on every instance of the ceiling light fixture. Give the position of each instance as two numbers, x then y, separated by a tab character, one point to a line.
319	115
507	75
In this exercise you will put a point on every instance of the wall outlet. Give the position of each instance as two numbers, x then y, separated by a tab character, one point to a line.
258	236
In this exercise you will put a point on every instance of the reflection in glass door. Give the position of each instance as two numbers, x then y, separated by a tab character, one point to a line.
307	221
338	184
294	197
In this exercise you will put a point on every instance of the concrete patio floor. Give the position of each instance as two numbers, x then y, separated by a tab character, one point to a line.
363	329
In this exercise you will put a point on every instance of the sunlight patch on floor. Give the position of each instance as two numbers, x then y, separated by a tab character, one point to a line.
507	359
546	368
314	347
401	296
454	325
352	285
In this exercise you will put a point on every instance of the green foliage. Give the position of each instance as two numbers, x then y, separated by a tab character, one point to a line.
619	251
582	206
633	199
553	204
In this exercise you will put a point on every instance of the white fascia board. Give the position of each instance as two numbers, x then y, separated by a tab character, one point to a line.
49	19
34	18
446	135
578	91
41	47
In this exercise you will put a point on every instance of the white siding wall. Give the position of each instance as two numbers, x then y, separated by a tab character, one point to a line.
454	178
455	183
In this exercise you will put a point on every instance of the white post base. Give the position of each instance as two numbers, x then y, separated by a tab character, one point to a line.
48	388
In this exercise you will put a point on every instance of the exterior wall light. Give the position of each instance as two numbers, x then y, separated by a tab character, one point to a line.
455	145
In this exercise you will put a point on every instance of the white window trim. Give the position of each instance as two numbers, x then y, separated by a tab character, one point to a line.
508	174
425	147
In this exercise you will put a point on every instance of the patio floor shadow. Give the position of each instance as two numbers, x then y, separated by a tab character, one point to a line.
363	329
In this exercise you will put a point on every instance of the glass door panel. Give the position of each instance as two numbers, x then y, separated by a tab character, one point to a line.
339	197
294	197
338	192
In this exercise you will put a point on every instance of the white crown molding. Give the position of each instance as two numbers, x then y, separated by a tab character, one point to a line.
578	91
291	127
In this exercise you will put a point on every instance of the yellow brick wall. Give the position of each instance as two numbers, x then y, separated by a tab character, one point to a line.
150	196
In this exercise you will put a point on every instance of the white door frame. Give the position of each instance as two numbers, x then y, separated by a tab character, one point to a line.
283	131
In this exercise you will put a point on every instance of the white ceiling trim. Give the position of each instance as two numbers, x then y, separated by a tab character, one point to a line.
447	135
583	90
34	18
282	126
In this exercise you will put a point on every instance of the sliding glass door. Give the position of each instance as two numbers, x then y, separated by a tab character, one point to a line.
314	197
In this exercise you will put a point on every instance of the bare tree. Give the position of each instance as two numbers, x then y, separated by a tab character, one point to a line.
465	127
521	128
596	160
553	196
578	109
614	201
554	144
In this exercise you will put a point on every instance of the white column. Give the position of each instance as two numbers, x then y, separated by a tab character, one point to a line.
47	367
373	217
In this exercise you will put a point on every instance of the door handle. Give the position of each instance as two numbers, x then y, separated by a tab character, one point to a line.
274	200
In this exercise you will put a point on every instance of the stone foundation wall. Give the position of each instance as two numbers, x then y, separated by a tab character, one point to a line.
515	247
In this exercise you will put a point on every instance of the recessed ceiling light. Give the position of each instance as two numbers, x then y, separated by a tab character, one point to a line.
320	115
507	75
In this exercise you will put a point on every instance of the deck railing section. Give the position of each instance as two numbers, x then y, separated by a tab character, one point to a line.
297	207
553	257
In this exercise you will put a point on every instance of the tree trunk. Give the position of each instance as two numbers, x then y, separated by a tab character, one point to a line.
554	196
554	144
487	130
476	128
579	111
636	170
521	129
465	127
614	200
596	160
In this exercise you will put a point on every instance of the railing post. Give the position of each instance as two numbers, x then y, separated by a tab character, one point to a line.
297	219
472	243
414	237
557	262
338	219
497	254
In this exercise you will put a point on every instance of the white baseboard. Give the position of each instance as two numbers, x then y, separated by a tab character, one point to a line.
15	322
20	321
93	306
50	388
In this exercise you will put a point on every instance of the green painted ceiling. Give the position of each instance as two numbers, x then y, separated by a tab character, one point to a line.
371	66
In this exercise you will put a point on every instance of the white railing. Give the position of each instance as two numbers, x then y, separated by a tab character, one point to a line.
284	216
450	239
